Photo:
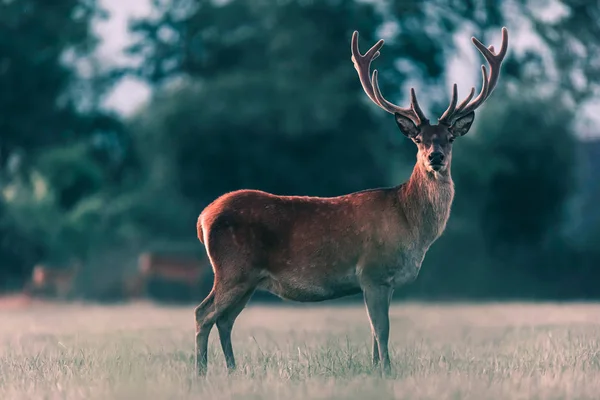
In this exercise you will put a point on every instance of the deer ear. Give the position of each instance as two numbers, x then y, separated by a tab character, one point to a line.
461	126
406	125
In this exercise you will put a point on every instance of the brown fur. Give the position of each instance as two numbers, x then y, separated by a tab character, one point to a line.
313	249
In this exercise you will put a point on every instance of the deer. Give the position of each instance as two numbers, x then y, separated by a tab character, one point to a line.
183	270
173	268
313	249
57	282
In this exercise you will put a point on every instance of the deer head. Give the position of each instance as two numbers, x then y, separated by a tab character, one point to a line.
434	142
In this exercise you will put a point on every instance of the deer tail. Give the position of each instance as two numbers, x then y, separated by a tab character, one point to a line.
200	230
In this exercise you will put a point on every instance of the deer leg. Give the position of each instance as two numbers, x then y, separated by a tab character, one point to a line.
377	300
203	328
220	299
375	349
225	326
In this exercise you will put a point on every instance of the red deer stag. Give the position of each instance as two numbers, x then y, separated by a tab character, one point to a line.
311	249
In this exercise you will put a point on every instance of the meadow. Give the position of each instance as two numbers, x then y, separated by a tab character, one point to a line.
439	351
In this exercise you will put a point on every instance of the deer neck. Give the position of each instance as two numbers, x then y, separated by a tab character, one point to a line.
426	200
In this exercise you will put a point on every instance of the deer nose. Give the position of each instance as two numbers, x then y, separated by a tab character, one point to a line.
436	157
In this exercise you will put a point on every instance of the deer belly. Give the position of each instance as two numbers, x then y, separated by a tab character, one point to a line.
306	289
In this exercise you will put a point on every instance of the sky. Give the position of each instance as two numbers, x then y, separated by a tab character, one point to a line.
130	93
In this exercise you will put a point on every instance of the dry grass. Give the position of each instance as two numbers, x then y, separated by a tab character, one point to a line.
439	352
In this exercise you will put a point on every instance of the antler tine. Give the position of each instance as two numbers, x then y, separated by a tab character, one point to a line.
483	94
489	83
362	64
467	99
495	62
453	102
414	104
413	112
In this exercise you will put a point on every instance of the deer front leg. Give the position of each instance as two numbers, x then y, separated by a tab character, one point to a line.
375	352
377	301
375	348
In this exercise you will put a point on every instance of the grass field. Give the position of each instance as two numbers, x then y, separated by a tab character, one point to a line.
499	351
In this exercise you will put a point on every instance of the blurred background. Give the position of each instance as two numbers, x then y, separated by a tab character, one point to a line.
121	120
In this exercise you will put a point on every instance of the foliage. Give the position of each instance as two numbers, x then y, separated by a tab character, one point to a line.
514	174
263	95
250	96
50	135
41	45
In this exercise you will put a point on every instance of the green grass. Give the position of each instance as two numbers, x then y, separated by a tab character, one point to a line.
501	351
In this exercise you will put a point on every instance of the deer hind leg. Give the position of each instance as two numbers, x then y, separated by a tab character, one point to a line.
225	326
223	301
377	300
203	328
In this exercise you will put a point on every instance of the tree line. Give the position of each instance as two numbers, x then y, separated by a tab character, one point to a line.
263	95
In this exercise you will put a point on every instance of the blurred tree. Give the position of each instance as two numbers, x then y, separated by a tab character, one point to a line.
571	34
41	47
51	132
263	95
527	149
266	97
567	56
511	228
18	250
514	175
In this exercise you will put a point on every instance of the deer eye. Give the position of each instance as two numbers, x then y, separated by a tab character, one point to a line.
452	138
417	140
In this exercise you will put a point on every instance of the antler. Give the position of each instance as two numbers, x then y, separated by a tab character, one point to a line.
495	62
362	64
